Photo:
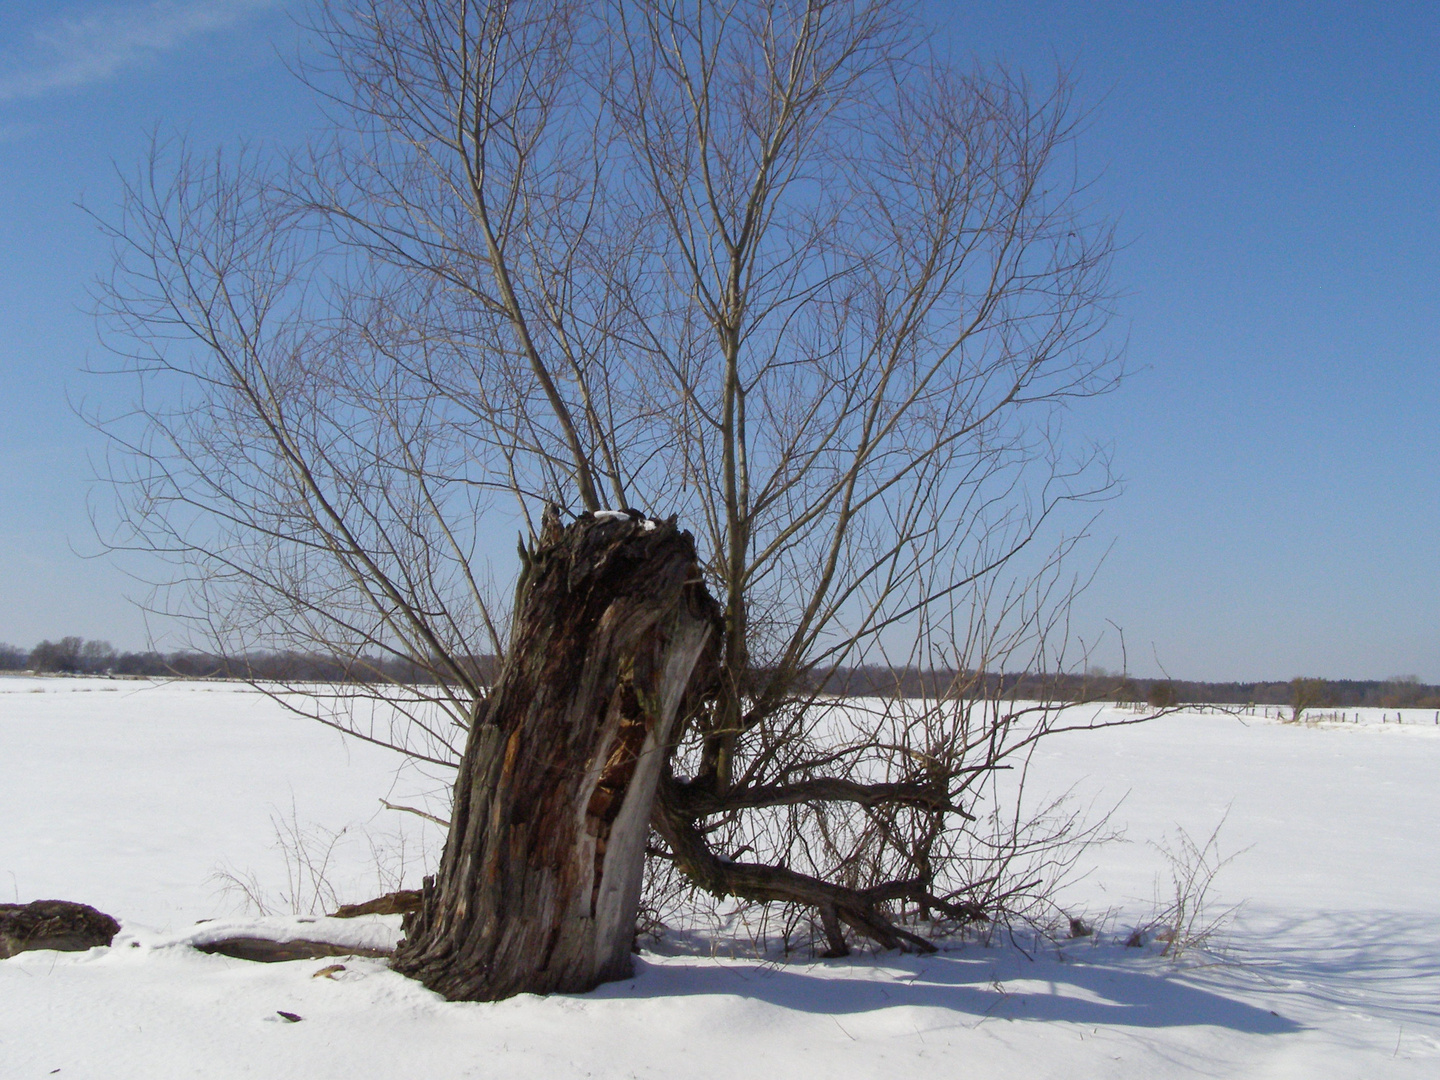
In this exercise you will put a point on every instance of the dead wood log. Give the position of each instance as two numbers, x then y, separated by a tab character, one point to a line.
266	951
539	885
395	903
53	924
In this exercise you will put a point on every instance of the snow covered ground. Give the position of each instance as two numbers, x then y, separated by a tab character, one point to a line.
146	799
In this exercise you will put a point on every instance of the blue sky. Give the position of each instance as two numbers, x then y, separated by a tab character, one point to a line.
1275	171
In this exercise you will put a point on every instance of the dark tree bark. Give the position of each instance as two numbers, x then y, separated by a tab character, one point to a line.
265	951
539	886
396	903
62	925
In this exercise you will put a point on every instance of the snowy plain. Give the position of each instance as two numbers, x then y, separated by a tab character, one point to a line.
151	801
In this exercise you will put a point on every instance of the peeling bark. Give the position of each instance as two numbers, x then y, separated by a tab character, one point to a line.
539	885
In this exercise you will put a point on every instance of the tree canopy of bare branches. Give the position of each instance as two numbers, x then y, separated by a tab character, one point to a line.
770	267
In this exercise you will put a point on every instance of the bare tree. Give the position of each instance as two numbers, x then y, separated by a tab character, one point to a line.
65	656
766	267
1306	694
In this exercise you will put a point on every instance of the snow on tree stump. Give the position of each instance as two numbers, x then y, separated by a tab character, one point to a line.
539	885
53	924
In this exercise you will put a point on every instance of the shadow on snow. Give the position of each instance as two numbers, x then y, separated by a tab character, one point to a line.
1385	964
1076	991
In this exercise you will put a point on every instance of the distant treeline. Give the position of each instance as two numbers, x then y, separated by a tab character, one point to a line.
1312	693
76	656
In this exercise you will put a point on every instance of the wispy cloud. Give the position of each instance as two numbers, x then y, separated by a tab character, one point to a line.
66	52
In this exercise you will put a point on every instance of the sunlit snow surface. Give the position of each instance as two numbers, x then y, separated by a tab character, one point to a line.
133	796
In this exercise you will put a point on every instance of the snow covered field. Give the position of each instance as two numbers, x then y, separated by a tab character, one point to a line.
138	798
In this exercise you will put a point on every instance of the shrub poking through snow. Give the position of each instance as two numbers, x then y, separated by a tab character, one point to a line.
1187	920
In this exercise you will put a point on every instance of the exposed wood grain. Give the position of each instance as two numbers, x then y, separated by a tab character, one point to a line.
540	881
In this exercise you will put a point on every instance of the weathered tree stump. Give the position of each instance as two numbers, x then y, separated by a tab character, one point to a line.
539	885
53	924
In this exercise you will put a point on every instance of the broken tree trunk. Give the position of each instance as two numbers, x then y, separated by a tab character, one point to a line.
539	885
